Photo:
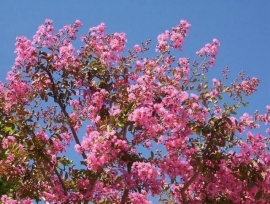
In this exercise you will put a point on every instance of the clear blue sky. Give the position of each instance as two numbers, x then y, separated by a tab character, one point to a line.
242	27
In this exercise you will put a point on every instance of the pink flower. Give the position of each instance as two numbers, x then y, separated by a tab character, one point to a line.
192	95
101	27
210	50
162	46
25	52
48	21
216	82
137	198
115	111
268	108
137	48
66	51
185	25
216	42
5	143
213	93
78	23
78	149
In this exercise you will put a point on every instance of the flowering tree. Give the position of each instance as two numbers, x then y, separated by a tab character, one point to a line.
110	106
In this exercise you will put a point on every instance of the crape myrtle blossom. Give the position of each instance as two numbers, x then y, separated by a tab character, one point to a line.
176	36
141	127
210	50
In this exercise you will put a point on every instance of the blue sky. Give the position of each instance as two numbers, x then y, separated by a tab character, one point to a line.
242	27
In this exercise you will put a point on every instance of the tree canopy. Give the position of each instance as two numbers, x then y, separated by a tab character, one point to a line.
141	127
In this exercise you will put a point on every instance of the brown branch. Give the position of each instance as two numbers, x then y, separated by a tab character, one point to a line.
50	163
195	175
126	191
58	175
61	181
71	127
124	196
45	177
59	178
63	109
186	185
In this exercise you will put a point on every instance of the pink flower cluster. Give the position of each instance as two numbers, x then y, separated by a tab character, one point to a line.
107	47
5	199
139	198
249	86
176	37
26	53
160	104
210	50
44	35
101	150
16	94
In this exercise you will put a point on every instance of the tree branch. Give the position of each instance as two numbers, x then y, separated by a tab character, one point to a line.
187	184
195	175
124	196
126	191
63	109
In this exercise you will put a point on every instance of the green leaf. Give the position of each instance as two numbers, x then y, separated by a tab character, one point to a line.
233	112
229	121
152	155
120	124
258	195
205	86
251	184
216	168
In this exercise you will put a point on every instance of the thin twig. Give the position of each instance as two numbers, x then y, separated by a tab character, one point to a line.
63	109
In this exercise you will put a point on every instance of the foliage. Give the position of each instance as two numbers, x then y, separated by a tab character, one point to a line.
193	149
